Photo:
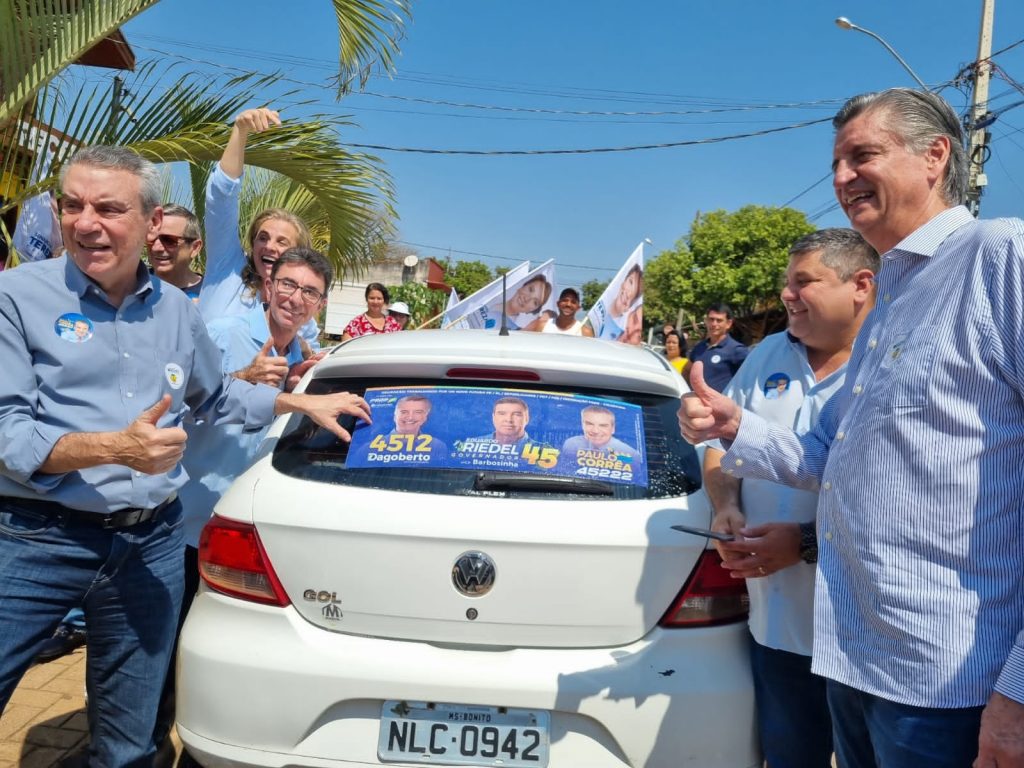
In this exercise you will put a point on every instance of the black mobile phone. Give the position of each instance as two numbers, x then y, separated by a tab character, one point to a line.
704	532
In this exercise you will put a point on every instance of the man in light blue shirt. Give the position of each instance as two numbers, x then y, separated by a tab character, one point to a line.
787	379
92	445
919	607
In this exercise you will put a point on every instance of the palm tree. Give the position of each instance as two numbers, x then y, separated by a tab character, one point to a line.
39	39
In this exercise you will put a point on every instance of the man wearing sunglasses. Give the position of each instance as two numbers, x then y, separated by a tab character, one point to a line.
173	250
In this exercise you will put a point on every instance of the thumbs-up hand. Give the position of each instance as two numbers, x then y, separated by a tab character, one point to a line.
705	414
265	368
145	447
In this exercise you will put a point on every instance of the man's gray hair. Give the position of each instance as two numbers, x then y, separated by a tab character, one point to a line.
315	260
192	230
843	251
917	118
121	159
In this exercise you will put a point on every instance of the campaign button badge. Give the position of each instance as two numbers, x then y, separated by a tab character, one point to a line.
74	327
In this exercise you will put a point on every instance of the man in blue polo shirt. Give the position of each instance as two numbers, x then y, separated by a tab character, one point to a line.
90	460
721	354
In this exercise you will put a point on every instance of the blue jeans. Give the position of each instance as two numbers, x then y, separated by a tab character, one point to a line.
872	732
792	710
129	581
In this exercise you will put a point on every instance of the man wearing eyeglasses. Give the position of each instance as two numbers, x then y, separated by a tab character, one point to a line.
175	248
218	453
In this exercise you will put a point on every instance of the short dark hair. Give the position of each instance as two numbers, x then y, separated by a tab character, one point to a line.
192	230
377	287
721	307
569	292
315	260
917	118
843	250
682	342
510	401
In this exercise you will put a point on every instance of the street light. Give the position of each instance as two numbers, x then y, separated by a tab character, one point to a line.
844	23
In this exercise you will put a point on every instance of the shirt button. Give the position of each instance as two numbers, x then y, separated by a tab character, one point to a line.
887	298
857	389
138	474
126	354
840	436
871	344
828	535
130	394
728	471
827	485
739	462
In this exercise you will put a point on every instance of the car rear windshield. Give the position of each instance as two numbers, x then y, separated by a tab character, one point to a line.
521	441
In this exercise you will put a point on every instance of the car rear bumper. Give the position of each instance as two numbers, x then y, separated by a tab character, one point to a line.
260	686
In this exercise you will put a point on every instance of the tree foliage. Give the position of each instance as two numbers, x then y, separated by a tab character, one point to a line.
736	257
424	303
591	291
467	277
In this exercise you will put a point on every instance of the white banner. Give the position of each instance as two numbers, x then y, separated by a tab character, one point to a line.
527	296
479	303
449	319
618	314
37	232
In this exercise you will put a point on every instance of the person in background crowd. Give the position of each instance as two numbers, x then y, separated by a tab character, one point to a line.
919	606
787	379
89	464
565	322
400	312
175	248
675	351
720	353
235	281
376	318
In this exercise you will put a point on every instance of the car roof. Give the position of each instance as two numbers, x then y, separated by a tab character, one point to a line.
554	359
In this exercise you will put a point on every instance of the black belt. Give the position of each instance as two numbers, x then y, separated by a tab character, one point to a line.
62	516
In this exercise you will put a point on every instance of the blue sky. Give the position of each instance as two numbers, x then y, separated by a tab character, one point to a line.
588	211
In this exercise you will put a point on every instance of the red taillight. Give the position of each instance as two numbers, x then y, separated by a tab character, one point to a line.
495	374
710	596
232	560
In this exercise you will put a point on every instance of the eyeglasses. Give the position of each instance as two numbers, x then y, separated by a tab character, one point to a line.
170	242
287	287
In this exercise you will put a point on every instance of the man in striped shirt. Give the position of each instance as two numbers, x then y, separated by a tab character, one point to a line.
919	607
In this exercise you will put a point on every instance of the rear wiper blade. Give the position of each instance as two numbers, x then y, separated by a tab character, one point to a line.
512	481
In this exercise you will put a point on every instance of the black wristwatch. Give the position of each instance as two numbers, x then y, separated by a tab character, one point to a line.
808	543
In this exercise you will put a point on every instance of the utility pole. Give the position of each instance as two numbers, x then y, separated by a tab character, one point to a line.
977	148
115	109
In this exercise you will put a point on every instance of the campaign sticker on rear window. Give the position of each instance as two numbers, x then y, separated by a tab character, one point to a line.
544	433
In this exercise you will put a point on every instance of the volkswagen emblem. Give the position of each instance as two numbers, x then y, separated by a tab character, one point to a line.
473	574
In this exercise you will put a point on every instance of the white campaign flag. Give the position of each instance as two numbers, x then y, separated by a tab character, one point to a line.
527	295
460	316
449	318
37	232
618	314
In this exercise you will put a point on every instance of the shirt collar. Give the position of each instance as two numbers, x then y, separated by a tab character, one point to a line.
78	282
926	239
260	332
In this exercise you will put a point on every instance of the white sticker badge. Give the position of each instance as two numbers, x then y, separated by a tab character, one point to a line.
174	375
716	358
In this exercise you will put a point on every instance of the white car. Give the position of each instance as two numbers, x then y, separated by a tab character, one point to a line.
494	583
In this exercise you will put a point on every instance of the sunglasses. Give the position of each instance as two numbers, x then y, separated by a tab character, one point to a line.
170	242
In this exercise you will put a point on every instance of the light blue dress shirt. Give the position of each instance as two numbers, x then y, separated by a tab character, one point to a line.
219	453
918	457
113	364
223	293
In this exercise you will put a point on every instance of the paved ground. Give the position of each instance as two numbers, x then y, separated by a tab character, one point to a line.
45	719
44	723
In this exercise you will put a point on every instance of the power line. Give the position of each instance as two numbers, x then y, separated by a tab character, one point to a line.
590	150
446	249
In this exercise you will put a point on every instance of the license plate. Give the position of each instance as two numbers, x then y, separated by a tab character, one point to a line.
456	734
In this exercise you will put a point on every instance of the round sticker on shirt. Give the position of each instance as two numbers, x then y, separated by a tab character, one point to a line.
174	375
775	386
73	327
716	358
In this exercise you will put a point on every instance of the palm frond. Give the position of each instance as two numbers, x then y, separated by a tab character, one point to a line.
369	32
39	38
189	122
